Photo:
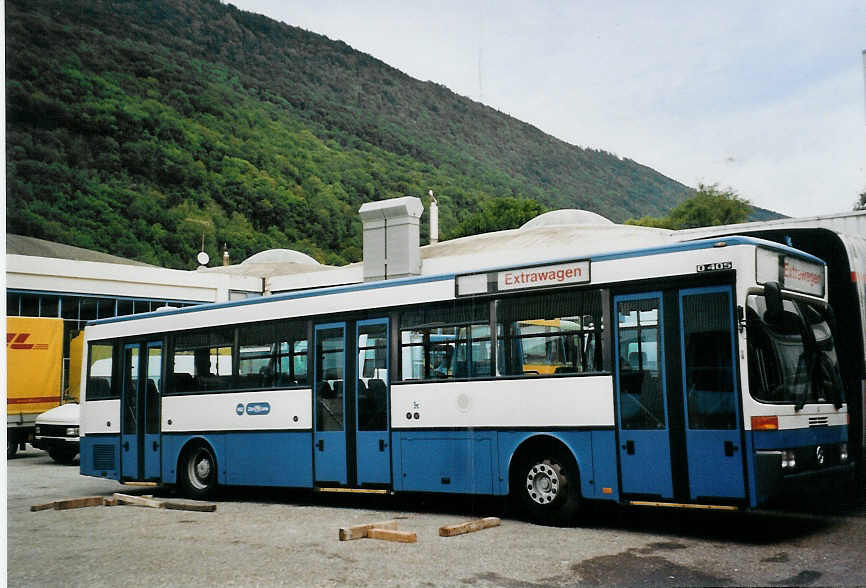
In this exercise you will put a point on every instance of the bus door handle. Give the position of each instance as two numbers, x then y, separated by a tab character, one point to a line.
730	448
629	447
382	445
155	445
321	444
126	445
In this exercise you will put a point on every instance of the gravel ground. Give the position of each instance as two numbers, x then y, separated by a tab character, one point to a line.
277	537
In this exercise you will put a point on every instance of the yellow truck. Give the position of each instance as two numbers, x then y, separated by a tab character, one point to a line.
34	374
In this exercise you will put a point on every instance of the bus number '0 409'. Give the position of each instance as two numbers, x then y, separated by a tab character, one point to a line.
714	267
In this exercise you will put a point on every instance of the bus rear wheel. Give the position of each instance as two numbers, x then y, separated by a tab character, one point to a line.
549	488
197	472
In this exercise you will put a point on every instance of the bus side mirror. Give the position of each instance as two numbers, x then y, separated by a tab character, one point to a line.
773	297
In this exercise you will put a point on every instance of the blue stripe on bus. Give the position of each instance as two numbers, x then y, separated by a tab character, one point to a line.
462	462
100	456
791	438
263	458
676	247
479	462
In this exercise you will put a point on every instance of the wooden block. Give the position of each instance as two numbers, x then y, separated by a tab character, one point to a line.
360	531
70	503
198	507
468	527
79	502
392	535
137	500
110	501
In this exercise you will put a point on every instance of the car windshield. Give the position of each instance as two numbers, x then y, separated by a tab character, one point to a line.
792	357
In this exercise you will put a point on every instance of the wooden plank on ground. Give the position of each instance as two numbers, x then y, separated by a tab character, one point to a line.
69	503
137	500
197	506
468	527
392	535
360	531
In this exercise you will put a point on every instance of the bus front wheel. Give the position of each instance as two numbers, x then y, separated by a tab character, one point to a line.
198	472
549	487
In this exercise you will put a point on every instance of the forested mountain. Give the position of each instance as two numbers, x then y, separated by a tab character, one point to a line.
135	127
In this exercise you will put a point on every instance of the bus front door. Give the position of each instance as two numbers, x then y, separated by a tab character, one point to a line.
329	386
642	415
140	403
712	409
372	395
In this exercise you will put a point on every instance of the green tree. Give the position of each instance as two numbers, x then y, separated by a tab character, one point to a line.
710	206
499	214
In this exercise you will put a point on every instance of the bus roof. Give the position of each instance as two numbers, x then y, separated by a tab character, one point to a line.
611	256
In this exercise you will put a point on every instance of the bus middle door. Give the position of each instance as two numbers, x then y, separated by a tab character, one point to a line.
329	386
712	408
641	392
372	394
140	403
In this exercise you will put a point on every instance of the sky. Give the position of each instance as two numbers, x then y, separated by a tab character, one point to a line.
766	98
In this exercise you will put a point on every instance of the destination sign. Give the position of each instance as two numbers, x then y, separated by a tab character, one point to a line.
576	272
792	273
542	276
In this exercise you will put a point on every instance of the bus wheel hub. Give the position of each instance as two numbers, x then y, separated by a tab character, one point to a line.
544	482
202	469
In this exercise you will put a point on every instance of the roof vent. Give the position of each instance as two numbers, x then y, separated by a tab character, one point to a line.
392	238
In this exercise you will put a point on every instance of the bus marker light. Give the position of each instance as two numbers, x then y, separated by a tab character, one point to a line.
607	490
765	423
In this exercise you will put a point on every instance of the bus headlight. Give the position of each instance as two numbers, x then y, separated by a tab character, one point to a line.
72	431
789	460
843	452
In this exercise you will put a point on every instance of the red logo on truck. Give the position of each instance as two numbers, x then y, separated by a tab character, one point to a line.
18	341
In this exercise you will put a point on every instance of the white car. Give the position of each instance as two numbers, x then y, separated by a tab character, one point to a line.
57	432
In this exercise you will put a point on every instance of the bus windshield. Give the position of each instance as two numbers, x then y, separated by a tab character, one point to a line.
792	357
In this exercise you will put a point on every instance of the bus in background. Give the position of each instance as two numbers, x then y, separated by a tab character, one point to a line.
840	240
707	377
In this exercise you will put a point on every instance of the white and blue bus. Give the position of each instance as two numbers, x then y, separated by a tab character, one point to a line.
700	373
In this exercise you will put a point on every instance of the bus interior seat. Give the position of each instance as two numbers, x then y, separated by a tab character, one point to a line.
284	379
325	390
99	388
378	394
183	381
330	407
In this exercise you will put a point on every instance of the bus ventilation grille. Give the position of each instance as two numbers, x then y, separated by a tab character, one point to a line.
818	421
103	457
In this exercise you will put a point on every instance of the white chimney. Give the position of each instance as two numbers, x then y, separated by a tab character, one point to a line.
434	219
392	238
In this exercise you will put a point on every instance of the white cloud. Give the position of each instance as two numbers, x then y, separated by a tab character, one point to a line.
765	97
